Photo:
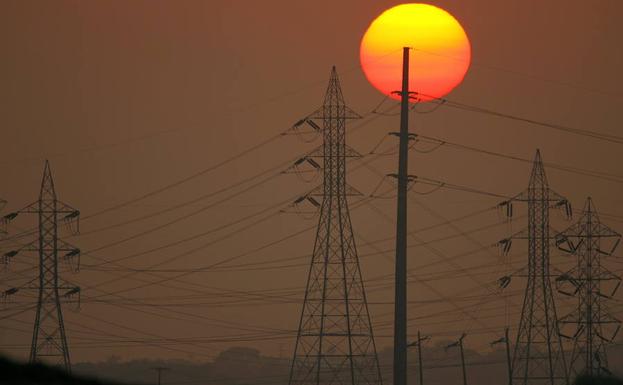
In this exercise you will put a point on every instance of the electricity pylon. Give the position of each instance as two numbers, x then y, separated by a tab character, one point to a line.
335	343
49	341
538	355
588	240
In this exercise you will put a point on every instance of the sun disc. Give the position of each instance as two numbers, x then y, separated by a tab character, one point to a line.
440	51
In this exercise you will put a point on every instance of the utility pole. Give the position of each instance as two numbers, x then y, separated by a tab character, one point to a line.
160	370
418	344
594	286
459	344
538	357
506	341
334	344
400	307
49	339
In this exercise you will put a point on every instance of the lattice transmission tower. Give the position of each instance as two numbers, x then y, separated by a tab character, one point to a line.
49	340
538	354
335	343
594	286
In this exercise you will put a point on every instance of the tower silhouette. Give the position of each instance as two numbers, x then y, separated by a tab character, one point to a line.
334	344
49	341
589	239
538	355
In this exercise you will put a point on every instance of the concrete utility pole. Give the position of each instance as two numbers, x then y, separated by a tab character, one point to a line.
159	370
459	344
506	341
400	306
418	344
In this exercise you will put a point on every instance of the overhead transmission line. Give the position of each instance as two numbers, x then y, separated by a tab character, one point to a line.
558	127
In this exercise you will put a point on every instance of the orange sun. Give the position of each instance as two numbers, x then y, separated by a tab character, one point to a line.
439	57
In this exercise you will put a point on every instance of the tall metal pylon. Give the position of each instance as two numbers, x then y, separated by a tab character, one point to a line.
335	343
588	240
538	354
49	340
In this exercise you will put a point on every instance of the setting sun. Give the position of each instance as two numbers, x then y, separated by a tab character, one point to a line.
439	58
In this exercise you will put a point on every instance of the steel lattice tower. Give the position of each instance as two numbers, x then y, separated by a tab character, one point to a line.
335	344
538	356
587	240
49	341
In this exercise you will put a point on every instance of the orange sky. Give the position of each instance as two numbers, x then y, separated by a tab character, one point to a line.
125	97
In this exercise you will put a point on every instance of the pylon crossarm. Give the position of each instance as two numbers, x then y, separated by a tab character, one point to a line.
66	246
607	275
70	293
323	112
315	153
32	208
298	126
566	243
524	234
8	256
33	284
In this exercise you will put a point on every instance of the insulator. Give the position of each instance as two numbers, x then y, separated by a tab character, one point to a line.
569	210
452	345
73	257
504	281
73	217
313	163
73	214
313	125
561	241
300	199
10	291
11	253
72	253
9	217
313	201
564	205
73	291
498	341
507	206
505	246
295	125
7	256
299	161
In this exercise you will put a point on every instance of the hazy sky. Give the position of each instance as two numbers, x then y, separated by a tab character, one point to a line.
124	97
